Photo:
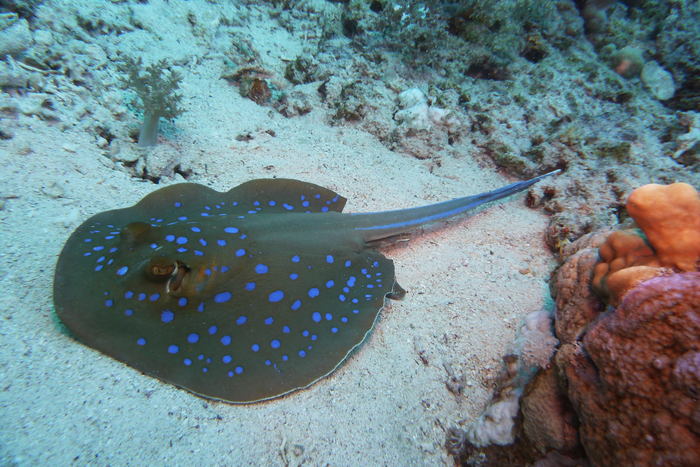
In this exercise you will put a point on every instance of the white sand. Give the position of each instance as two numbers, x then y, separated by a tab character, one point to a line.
63	403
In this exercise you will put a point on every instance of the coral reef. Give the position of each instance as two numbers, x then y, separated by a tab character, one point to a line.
667	240
635	386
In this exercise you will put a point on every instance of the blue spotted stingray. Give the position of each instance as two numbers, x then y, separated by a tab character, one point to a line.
240	296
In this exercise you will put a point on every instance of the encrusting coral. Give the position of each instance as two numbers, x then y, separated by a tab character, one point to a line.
634	379
667	240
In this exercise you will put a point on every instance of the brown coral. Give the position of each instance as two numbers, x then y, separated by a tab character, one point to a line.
548	419
669	240
636	384
576	304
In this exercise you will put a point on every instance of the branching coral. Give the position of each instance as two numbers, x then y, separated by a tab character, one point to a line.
157	91
667	240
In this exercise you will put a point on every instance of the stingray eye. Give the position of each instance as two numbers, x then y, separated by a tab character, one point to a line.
160	269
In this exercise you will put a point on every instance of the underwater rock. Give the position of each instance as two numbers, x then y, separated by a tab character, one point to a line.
658	81
635	386
15	39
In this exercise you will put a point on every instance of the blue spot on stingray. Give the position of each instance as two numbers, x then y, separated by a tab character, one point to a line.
142	297
375	264
207	272
212	330
129	294
195	229
227	359
288	207
240	252
329	316
201	357
221	242
223	297
101	258
231	230
324	209
305	204
129	312
313	292
318	196
296	305
154	297
141	341
344	319
330	284
167	316
239	370
250	286
224	268
182	301
178	204
293	276
203	242
170	238
200	308
98	248
346	290
272	203
188	362
198	253
226	340
183	218
341	298
313	337
122	271
241	320
295	259
285	329
269	321
182	249
261	269
268	362
230	374
192	338
275	344
88	240
370	286
109	302
255	347
302	353
113	249
329	259
276	296
354	300
316	316
305	333
334	330
98	268
351	281
356	311
173	349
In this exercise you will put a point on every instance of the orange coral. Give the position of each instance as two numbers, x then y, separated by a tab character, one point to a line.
669	240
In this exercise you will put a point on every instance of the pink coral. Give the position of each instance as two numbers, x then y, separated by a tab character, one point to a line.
636	384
